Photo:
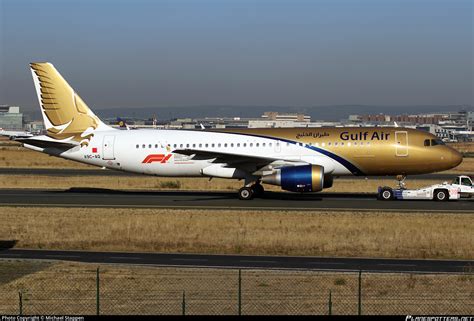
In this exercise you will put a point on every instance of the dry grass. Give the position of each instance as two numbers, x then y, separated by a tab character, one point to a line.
163	183
463	147
318	233
69	288
19	157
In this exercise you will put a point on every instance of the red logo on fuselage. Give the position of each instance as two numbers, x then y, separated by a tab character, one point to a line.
161	158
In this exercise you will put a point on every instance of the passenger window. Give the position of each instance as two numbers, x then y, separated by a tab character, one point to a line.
245	144
175	145
207	145
181	145
143	146
156	145
231	144
200	145
427	142
269	144
138	146
256	145
238	144
251	145
263	144
225	145
219	145
194	145
213	145
187	145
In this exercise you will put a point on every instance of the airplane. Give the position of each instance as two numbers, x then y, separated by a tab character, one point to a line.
15	134
296	159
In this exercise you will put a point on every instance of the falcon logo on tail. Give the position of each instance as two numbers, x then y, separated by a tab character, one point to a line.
65	114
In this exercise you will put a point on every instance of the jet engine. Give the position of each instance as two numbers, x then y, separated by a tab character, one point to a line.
304	178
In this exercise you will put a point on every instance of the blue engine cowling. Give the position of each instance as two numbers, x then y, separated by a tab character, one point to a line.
305	178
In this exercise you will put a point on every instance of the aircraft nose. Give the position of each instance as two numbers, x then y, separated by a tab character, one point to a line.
456	158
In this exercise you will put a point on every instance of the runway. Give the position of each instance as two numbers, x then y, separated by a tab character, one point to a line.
64	172
108	198
255	262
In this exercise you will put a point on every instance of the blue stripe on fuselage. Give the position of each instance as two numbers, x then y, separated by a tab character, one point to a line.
351	167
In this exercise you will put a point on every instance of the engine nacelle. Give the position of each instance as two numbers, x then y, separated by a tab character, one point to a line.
305	178
328	181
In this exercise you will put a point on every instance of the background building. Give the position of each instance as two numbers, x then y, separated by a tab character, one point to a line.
11	118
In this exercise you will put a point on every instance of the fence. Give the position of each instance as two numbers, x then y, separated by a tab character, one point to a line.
68	288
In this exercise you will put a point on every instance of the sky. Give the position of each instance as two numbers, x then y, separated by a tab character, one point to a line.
140	53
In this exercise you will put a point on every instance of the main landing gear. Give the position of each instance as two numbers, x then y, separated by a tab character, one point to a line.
249	192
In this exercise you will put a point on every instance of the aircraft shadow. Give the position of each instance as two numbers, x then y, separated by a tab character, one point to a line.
206	195
7	244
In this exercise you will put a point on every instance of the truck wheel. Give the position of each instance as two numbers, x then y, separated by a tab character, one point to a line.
441	195
386	194
245	193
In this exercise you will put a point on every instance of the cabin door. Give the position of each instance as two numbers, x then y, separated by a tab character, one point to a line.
401	143
108	148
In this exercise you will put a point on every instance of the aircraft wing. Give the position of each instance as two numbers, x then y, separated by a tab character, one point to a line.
224	157
15	135
249	163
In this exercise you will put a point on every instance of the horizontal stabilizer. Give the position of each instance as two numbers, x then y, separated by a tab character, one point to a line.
43	143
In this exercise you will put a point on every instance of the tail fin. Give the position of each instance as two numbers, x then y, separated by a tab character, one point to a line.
65	114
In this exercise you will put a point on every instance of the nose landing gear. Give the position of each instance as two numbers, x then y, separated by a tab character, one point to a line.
387	193
401	181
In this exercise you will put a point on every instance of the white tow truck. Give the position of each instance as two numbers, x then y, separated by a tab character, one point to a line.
461	186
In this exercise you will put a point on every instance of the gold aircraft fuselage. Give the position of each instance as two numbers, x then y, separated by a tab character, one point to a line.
371	150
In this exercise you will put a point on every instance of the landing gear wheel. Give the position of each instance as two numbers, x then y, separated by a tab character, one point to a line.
386	194
258	190
246	193
441	195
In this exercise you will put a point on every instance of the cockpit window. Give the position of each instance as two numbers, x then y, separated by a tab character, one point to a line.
435	142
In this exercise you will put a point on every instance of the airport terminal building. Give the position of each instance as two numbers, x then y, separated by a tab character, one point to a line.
11	118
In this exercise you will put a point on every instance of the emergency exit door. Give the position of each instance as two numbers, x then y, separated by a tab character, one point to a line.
108	147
